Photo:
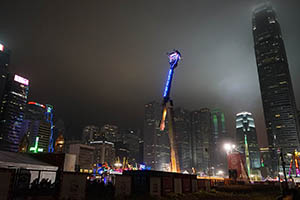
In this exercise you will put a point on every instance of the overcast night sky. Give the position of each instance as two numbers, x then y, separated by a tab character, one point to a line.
99	62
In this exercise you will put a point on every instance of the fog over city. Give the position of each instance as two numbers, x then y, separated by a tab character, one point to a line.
99	62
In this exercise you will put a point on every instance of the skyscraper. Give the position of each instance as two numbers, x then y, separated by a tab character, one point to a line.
12	112
110	132
4	62
156	142
90	133
275	82
131	139
201	139
38	123
218	139
246	135
104	152
182	123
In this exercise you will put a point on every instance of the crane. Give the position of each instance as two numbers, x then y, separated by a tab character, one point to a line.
167	106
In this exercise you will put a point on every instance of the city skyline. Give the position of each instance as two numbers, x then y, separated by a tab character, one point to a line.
218	68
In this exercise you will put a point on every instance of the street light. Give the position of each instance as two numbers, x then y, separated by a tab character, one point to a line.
118	164
229	147
220	173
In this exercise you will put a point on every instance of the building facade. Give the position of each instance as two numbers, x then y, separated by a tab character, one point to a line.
90	133
38	123
218	139
4	62
131	138
12	112
84	156
275	83
110	133
201	140
183	136
156	142
246	135
104	152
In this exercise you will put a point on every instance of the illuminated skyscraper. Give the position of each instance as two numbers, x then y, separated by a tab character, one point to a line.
275	82
4	62
201	139
156	142
12	112
218	139
131	138
38	123
90	133
109	132
104	152
246	135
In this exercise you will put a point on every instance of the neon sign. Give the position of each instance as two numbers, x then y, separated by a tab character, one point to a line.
22	80
35	149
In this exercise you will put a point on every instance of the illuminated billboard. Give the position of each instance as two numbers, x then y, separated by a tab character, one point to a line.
22	80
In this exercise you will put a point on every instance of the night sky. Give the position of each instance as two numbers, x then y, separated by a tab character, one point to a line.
99	62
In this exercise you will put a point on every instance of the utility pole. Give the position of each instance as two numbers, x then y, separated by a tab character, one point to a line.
283	167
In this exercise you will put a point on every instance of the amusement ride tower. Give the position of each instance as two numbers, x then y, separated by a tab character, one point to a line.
174	57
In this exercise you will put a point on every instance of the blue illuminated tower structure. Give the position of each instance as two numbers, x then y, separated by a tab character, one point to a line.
12	112
174	57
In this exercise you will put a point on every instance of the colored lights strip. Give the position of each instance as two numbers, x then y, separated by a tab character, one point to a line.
162	124
35	149
37	104
49	114
168	81
22	80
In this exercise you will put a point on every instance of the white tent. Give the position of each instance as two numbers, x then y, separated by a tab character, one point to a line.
22	160
11	160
